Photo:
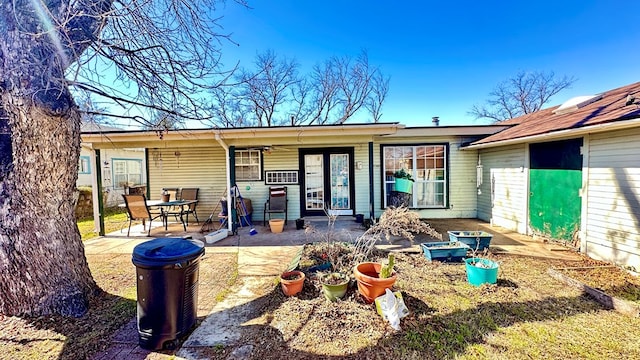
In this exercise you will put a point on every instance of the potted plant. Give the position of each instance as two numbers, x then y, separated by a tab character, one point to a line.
374	278
478	240
164	195
328	263
334	285
403	182
394	222
292	282
481	270
444	250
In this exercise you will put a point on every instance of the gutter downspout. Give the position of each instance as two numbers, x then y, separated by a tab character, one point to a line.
228	179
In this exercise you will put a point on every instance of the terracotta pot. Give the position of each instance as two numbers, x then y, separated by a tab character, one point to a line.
291	287
370	285
276	225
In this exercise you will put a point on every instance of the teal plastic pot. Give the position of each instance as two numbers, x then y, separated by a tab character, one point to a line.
485	273
403	185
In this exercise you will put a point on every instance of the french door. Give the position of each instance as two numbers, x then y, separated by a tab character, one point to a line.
327	181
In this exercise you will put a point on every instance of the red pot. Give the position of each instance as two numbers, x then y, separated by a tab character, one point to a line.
292	287
370	285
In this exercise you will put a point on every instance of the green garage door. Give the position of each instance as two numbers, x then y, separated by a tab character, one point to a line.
555	180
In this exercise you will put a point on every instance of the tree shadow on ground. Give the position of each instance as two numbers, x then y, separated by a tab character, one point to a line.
80	337
425	334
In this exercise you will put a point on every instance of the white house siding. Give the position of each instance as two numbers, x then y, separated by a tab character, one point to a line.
506	169
613	198
361	176
114	193
462	177
285	158
200	167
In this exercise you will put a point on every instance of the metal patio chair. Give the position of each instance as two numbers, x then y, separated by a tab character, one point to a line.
137	209
276	203
190	194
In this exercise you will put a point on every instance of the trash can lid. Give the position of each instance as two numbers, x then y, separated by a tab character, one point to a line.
161	251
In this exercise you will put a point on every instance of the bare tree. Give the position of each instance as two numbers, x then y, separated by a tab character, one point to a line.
275	92
325	88
266	90
525	93
379	90
227	109
140	54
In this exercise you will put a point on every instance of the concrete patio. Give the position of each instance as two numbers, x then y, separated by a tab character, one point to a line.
345	229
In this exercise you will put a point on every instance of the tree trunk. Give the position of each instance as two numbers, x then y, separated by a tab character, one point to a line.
43	268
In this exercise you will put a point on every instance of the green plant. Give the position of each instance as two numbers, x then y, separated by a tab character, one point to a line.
387	269
333	278
402	174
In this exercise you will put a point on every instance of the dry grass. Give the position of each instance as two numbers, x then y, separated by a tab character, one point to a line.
57	337
526	315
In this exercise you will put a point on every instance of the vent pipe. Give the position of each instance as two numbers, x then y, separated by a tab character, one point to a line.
435	120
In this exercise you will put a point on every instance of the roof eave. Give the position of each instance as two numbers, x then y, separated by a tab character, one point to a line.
560	134
244	133
459	130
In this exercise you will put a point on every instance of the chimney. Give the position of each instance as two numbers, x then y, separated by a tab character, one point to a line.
435	120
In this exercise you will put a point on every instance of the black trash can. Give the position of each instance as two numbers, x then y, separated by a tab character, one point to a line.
167	272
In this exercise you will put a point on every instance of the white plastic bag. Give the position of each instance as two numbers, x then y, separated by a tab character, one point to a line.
392	308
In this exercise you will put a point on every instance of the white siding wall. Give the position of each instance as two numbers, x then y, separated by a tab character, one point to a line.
613	198
202	168
114	196
462	178
278	159
288	159
361	154
506	168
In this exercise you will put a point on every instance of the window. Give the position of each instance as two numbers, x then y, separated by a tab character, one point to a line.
281	177
248	166
428	166
84	165
126	172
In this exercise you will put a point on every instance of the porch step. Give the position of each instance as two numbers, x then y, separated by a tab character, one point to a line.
325	219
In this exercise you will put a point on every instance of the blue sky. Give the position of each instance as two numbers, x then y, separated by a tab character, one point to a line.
444	56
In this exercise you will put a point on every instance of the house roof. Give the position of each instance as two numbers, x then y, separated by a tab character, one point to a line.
90	126
609	108
246	136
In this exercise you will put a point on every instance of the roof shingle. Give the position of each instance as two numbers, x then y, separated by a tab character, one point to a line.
611	107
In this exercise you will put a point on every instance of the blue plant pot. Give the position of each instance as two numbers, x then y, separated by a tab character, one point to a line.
444	250
486	273
474	239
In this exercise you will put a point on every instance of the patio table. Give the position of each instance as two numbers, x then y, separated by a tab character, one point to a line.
166	205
